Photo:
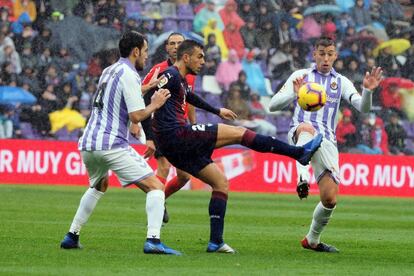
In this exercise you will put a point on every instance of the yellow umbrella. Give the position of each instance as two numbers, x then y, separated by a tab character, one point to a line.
71	119
397	46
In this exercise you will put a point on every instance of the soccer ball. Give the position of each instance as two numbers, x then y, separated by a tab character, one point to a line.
311	96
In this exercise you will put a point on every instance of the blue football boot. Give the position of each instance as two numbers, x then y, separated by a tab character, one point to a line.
70	241
220	248
159	248
309	149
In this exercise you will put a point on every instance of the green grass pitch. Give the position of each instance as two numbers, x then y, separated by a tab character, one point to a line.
375	235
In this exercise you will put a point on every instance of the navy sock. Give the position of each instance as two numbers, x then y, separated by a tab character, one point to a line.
217	211
155	241
263	143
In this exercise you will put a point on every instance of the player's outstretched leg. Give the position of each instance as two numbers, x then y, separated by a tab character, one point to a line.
261	143
86	206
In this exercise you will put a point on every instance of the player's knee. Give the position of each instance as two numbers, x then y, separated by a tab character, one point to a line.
155	184
102	186
224	186
329	202
163	167
183	179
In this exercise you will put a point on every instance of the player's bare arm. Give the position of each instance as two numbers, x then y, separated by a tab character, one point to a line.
157	100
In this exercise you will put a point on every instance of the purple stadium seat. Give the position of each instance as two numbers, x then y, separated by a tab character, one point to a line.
185	25
409	128
409	144
282	137
170	25
198	87
282	124
62	134
132	7
74	134
27	131
213	118
213	99
201	116
185	11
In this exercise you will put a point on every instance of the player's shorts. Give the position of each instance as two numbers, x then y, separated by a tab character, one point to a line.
189	148
126	163
325	159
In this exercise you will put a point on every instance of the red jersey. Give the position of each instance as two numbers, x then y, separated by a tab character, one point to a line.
164	65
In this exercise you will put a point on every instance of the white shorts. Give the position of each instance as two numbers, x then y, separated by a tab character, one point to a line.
325	159
126	163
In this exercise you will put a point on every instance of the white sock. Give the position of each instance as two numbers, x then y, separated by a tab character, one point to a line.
155	212
86	206
321	216
303	171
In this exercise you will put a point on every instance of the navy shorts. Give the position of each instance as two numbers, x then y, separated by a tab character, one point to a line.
190	147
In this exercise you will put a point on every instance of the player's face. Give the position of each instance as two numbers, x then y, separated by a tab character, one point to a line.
325	58
142	57
172	45
195	61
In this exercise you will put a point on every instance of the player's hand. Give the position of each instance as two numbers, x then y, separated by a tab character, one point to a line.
373	79
160	97
154	81
227	114
297	83
150	150
135	130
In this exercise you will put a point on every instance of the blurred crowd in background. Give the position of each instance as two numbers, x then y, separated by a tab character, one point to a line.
56	50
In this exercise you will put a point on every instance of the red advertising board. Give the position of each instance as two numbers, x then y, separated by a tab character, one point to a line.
52	162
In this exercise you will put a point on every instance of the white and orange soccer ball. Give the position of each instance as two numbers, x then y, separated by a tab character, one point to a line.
311	96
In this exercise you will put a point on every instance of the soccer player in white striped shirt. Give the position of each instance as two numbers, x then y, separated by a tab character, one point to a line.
305	125
104	144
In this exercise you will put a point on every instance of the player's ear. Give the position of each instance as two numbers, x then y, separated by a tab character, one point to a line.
136	51
186	57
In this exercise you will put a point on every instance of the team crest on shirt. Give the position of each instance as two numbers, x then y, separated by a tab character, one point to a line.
334	85
163	81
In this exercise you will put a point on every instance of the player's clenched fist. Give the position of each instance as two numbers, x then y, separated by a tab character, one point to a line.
160	97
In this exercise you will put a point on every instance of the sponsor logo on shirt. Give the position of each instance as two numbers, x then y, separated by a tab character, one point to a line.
163	81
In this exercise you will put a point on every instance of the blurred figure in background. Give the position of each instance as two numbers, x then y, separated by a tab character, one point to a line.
345	131
396	136
258	115
6	123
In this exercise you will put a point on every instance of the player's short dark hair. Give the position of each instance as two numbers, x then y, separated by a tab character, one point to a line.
173	34
187	47
129	41
325	42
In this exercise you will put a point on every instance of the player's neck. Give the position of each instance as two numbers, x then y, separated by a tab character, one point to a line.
181	68
172	60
